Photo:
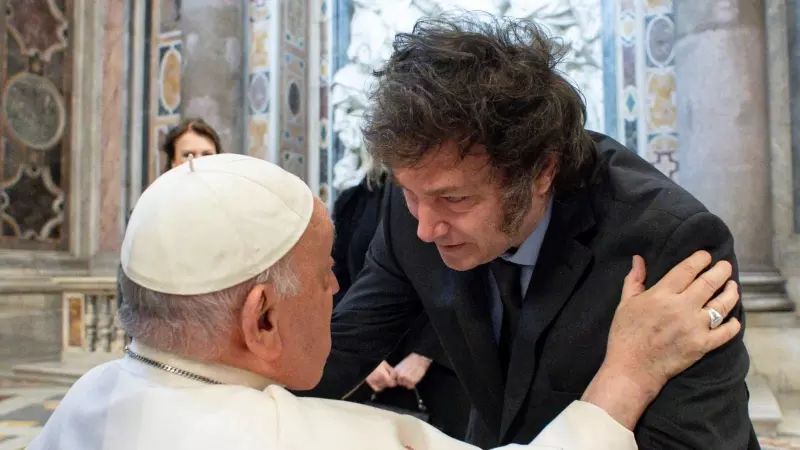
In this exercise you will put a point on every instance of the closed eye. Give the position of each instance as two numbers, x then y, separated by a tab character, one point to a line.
454	199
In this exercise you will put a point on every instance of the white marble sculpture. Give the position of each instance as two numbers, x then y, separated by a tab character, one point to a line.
375	23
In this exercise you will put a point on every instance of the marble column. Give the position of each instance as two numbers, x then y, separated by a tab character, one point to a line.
113	122
213	67
724	135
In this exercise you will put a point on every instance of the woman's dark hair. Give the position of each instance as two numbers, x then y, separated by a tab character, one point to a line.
198	126
478	79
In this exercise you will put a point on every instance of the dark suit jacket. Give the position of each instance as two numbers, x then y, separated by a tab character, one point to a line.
627	208
356	214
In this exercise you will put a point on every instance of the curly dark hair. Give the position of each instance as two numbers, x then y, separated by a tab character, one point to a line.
478	79
196	125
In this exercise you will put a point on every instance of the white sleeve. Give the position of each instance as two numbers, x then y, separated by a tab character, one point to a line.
582	426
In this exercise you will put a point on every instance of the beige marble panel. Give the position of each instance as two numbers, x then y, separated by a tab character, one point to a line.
112	126
775	354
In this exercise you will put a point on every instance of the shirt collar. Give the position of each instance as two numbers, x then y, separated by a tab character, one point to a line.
218	372
528	252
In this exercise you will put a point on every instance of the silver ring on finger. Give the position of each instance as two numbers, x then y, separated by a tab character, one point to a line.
714	317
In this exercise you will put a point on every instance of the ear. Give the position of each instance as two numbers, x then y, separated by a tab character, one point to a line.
544	181
260	325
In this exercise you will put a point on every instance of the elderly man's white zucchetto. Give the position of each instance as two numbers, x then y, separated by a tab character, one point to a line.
213	223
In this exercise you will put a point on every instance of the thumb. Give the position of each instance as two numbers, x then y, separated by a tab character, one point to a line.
634	281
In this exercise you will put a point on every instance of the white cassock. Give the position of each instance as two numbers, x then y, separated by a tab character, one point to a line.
129	405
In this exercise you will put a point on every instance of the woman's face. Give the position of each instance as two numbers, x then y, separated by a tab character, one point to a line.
191	143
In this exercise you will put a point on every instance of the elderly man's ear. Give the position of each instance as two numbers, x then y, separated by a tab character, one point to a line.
259	322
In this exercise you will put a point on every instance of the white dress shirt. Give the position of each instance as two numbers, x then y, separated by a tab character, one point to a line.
129	405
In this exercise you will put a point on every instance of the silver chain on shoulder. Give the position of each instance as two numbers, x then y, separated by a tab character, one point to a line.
168	368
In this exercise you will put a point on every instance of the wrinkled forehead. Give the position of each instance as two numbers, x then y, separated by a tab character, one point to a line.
444	170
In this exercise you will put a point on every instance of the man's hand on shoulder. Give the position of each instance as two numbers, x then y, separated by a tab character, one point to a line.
706	406
658	333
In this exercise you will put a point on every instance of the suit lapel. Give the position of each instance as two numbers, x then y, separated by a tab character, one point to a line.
561	263
461	306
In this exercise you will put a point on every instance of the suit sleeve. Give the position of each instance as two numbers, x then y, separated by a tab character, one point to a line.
426	343
372	318
705	407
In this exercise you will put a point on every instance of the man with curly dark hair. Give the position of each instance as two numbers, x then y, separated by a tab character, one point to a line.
512	227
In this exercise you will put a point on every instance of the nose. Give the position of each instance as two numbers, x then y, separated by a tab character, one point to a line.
430	227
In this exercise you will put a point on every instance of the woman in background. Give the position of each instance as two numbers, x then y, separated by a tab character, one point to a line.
418	365
192	137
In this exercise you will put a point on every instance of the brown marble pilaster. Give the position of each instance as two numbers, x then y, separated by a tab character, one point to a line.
112	126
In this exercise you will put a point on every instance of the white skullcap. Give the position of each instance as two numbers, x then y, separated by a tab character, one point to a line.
212	223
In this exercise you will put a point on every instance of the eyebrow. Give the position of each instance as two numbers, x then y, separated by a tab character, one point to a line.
438	192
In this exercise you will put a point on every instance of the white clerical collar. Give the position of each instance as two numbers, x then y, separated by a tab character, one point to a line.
218	372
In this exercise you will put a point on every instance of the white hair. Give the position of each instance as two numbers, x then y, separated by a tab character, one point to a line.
193	325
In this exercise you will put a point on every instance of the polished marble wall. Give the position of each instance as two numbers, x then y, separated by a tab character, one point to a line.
112	129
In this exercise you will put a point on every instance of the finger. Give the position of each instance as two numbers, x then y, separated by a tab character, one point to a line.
725	301
682	275
374	384
390	379
634	281
707	284
405	381
723	334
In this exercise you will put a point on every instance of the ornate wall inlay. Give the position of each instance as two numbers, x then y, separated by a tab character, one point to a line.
36	80
258	92
294	163
293	70
645	80
295	19
170	76
260	77
34	111
31	204
74	330
324	87
163	101
39	27
293	98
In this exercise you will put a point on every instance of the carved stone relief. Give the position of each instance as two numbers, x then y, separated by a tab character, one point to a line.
34	111
39	27
375	23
